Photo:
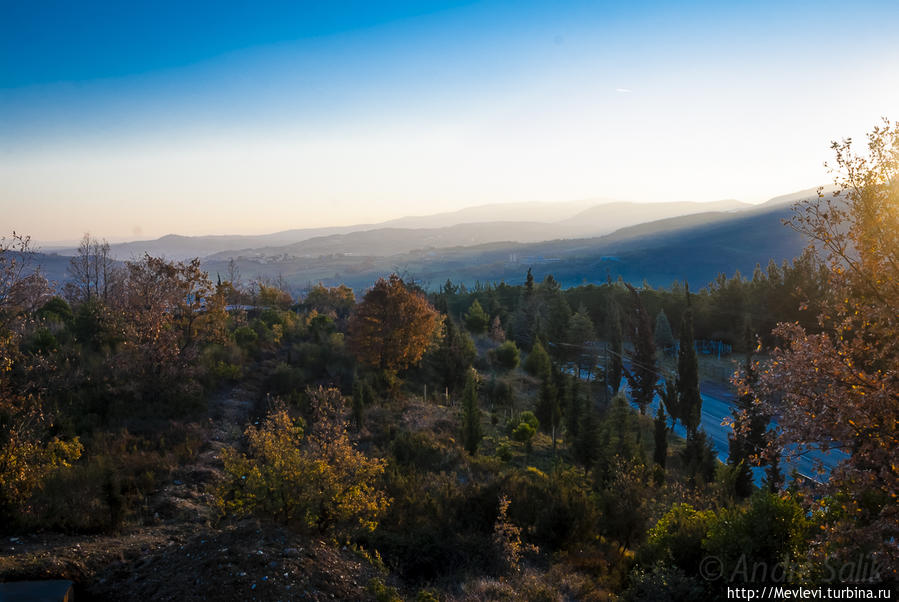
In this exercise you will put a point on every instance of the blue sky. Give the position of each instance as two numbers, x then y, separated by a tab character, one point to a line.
139	119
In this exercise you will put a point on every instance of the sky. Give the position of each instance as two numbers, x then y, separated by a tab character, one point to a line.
132	120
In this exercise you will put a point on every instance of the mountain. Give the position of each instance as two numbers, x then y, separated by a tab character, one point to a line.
608	217
381	241
530	222
693	247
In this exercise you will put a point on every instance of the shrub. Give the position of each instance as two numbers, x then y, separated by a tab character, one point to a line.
317	483
506	356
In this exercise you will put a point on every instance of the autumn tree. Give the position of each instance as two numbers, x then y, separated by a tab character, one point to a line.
839	388
312	478
337	301
392	327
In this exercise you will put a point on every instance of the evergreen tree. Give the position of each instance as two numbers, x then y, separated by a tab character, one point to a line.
587	447
476	319
698	457
689	400
549	410
580	333
454	357
642	375
537	362
574	409
616	347
660	452
749	434
664	338
774	478
669	397
471	414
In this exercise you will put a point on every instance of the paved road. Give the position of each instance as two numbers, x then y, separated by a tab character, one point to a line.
717	406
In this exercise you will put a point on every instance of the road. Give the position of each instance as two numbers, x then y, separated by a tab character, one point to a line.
717	406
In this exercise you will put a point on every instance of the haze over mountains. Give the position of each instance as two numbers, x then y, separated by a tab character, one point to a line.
515	222
584	241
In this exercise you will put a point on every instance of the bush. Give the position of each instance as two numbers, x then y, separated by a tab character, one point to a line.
317	483
506	356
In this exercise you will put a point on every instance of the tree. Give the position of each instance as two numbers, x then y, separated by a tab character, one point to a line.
580	334
689	399
669	398
549	408
313	479
21	289
471	414
537	362
476	320
506	356
497	334
840	387
586	447
393	327
664	338
94	273
750	429
336	301
660	451
642	374
616	347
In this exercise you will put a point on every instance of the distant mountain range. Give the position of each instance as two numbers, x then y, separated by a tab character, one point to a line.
514	222
586	241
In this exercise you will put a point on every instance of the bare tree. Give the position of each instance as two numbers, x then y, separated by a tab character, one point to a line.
94	272
21	289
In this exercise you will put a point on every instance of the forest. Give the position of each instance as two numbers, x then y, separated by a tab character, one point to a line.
493	442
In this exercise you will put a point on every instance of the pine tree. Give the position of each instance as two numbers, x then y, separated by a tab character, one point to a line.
471	415
476	319
689	400
660	452
642	375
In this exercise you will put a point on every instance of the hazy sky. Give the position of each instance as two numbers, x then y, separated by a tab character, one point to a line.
136	119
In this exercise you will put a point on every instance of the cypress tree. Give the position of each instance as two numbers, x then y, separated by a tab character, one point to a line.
689	400
660	453
616	347
642	375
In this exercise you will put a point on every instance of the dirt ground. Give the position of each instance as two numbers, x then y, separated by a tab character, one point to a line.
183	554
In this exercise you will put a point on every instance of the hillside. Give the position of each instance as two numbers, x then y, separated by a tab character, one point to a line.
694	247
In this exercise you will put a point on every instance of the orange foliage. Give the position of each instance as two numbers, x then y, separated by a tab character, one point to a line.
393	327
